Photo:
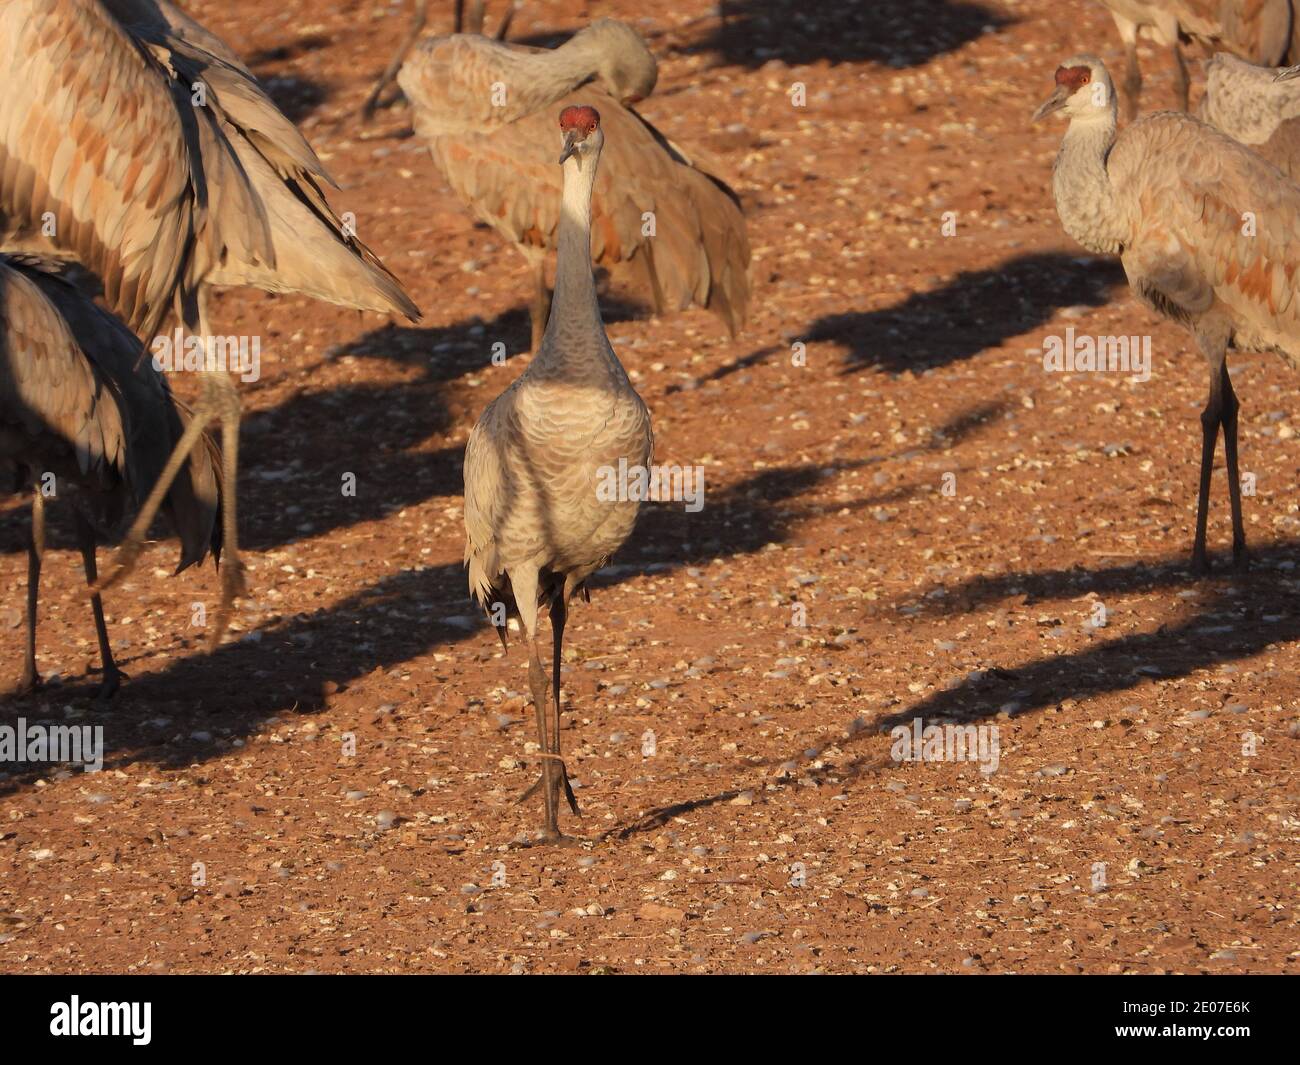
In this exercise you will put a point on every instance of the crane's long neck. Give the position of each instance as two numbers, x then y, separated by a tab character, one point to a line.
552	74
1085	198
575	334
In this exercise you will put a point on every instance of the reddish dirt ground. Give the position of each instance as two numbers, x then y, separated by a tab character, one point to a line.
1127	828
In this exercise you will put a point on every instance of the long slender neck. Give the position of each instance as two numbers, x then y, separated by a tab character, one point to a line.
1085	199
575	329
548	75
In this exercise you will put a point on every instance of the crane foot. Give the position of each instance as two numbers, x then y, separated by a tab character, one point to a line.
559	839
29	685
540	782
108	687
233	586
548	839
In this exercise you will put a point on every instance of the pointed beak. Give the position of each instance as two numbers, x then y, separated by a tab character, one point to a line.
1052	104
570	145
1287	74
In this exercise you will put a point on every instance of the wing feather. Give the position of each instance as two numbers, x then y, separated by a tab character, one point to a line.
1211	222
79	91
699	253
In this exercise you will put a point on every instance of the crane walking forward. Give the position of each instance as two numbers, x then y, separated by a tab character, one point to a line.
537	526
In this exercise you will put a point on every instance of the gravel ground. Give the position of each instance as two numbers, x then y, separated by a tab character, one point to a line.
906	518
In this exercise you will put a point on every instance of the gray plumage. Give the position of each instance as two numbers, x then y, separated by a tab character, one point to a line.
81	402
1170	196
536	523
1251	105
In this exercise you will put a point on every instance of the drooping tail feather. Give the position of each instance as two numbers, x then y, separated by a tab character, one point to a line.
193	503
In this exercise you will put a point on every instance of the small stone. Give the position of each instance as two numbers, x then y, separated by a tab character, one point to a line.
657	911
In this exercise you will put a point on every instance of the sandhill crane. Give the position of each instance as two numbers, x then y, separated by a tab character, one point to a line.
1257	30
137	143
1256	106
537	525
79	404
1206	231
484	106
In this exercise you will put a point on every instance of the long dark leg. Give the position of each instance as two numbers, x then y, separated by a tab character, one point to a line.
559	612
35	554
537	685
1210	419
506	19
112	676
474	15
540	309
524	584
1230	408
1181	81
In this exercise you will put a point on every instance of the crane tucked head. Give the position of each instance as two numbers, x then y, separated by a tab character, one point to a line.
1083	90
625	67
580	127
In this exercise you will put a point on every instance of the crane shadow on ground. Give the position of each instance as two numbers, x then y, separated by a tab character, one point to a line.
197	706
296	96
898	33
381	440
976	310
765	508
1239	616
